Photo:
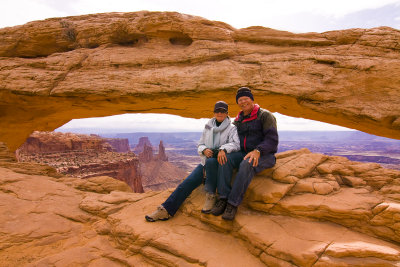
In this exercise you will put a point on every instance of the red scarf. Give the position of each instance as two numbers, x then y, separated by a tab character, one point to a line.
253	114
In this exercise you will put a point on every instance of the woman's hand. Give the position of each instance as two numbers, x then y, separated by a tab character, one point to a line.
208	153
222	157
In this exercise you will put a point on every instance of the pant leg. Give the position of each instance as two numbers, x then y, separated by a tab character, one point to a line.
211	167
183	190
243	178
245	175
265	162
225	173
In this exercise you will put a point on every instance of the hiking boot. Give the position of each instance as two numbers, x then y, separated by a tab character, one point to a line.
229	213
219	207
160	214
209	203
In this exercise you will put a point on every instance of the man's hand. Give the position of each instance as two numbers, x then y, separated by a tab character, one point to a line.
222	157
208	153
253	156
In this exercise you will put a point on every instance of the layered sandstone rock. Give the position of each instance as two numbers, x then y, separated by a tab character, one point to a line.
161	152
82	156
145	150
143	141
309	210
120	145
105	64
53	142
147	154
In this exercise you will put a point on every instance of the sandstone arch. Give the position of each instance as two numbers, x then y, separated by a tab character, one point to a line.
103	64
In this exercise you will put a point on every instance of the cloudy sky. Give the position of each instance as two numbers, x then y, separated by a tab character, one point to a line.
290	15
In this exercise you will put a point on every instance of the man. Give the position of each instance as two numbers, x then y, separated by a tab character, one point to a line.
219	138
258	144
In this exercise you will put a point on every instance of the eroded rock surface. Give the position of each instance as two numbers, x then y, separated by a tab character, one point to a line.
314	218
82	156
162	62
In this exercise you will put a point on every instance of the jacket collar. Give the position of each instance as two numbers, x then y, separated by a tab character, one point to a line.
253	114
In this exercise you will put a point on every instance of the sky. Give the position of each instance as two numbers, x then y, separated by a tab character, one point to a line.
170	123
289	15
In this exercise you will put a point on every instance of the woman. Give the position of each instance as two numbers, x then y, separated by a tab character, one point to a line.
219	138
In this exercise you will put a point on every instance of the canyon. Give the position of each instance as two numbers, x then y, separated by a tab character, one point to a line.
310	209
156	170
84	156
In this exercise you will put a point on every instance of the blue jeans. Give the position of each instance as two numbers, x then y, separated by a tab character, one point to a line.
235	193
211	168
184	189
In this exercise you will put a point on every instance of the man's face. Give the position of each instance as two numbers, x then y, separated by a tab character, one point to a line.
246	104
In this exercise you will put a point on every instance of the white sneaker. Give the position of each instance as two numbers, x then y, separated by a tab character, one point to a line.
160	214
209	203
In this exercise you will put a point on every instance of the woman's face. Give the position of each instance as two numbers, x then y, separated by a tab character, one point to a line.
220	115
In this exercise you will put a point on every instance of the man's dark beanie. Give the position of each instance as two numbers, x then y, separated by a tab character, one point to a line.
244	91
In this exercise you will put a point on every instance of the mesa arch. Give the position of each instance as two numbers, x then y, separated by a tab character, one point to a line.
59	69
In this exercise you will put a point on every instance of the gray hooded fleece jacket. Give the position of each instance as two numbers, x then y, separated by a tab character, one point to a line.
213	137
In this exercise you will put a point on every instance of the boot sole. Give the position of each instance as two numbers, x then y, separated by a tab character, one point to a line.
228	219
149	219
217	213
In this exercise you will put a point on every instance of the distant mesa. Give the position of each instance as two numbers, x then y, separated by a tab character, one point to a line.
118	144
143	141
145	150
83	156
147	154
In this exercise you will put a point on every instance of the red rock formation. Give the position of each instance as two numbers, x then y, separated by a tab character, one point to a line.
161	152
52	142
157	173
59	69
147	154
126	169
299	213
142	142
82	156
118	144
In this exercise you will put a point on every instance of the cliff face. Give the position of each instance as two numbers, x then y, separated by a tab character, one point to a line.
82	156
161	152
147	154
59	69
46	142
143	142
309	210
118	144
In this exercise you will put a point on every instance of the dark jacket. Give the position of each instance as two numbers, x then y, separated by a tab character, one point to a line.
257	131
